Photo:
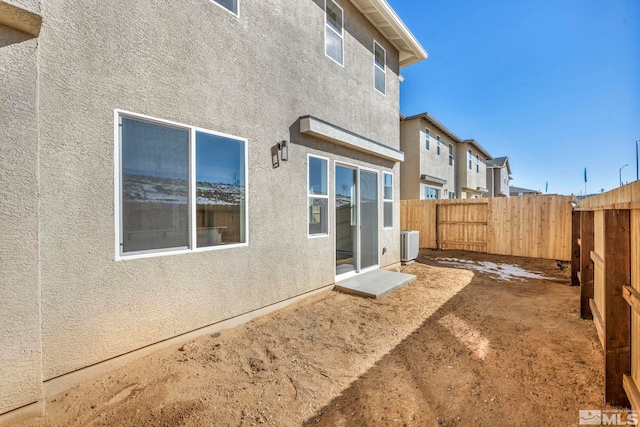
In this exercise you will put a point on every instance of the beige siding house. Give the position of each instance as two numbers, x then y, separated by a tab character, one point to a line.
471	172
167	166
498	177
429	169
438	163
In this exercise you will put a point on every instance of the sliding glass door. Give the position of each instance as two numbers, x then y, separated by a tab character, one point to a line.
356	204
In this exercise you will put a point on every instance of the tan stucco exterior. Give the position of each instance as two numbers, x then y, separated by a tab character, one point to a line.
498	177
66	302
471	182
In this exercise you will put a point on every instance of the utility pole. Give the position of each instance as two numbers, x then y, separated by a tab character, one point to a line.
637	169
620	170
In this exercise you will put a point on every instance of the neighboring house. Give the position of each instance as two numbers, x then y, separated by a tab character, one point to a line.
170	165
498	177
517	191
429	167
471	179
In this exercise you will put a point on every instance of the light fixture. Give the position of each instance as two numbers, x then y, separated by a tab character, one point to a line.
283	146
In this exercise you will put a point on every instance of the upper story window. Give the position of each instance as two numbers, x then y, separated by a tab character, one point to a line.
438	145
450	155
318	195
333	35
470	155
178	188
477	163
427	137
230	5
379	67
387	199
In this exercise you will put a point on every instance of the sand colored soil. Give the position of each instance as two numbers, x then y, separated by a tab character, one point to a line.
456	347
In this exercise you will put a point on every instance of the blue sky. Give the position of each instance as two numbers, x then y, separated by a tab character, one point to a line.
553	84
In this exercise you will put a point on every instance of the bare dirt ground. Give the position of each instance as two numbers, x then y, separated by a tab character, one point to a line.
454	348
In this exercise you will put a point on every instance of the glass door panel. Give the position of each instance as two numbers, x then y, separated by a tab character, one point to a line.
368	219
346	220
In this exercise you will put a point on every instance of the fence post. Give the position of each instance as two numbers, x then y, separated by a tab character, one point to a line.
616	310
585	274
575	247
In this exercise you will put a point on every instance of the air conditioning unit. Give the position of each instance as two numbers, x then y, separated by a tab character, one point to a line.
409	245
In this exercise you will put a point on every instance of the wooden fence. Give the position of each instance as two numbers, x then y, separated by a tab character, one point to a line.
531	226
606	265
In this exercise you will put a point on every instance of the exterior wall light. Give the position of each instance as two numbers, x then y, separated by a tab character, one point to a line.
283	146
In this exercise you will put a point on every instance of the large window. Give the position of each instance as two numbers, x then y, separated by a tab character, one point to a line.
318	196
379	67
450	155
427	137
178	188
431	193
387	199
333	32
230	5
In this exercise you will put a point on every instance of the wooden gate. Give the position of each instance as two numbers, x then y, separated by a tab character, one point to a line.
462	226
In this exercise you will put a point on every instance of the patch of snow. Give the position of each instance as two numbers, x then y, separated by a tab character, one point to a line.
502	271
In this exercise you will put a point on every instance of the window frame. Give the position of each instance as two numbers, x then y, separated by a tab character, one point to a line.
427	138
377	67
438	145
236	14
470	159
193	247
341	34
384	200
477	163
318	196
451	155
435	190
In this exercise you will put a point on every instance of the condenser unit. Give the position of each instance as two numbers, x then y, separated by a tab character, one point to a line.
409	245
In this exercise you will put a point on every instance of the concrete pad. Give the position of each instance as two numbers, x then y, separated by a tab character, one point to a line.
374	284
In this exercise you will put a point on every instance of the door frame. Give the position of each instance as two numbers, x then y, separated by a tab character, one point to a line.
358	270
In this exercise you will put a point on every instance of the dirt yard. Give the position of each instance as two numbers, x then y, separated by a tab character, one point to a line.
457	347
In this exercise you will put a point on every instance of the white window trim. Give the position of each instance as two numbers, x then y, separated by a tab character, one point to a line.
375	66
477	163
393	219
319	196
119	256
470	159
237	15
427	139
438	147
452	160
341	35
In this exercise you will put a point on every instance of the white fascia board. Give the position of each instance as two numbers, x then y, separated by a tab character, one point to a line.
310	125
385	19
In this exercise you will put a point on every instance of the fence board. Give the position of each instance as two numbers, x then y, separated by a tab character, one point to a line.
531	226
635	284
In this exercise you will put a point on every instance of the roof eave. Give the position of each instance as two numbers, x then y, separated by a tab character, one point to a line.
385	19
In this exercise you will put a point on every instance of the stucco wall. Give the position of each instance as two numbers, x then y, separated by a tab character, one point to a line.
419	160
411	137
194	63
469	178
437	165
19	289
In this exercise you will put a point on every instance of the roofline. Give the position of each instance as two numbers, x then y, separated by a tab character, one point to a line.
506	162
392	27
428	117
479	147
